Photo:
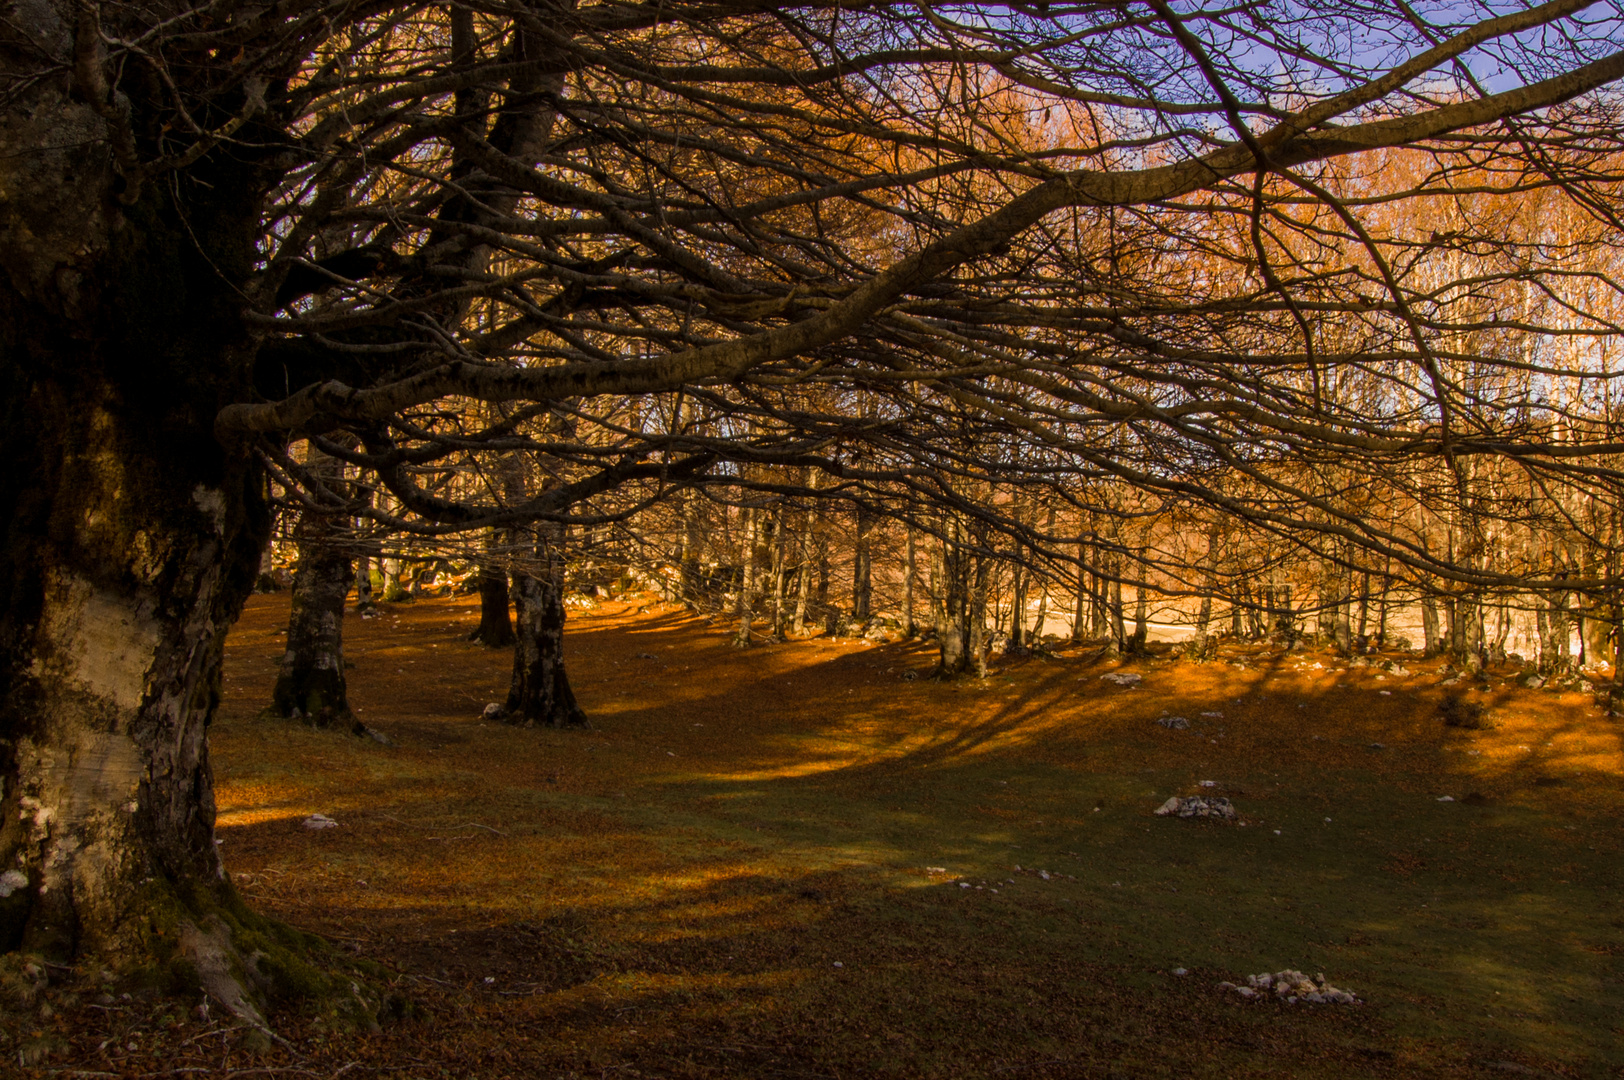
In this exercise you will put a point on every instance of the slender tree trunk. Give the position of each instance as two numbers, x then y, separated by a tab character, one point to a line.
1432	639
539	694
951	602
863	568
777	574
693	540
744	607
909	572
1017	604
1083	597
803	576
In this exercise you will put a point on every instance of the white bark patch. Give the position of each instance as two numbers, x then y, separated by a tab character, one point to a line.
11	881
101	643
105	771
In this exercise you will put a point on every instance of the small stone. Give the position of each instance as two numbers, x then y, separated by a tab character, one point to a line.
1245	991
1044	874
320	821
1122	678
492	711
838	964
1446	798
1378	746
1174	723
1209	783
1181	971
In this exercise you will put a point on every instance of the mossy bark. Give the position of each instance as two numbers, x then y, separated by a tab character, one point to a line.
132	539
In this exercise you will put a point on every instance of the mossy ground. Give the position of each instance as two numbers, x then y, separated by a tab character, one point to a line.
670	893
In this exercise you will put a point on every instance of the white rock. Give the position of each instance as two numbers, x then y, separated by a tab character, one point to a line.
1174	723
1245	991
320	821
1446	798
1181	971
1209	783
1123	678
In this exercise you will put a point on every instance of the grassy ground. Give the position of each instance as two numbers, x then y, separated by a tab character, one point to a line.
799	861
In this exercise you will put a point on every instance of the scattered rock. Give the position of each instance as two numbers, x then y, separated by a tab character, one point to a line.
492	711
1123	678
1198	806
1174	723
320	821
1533	682
1213	715
646	656
1293	986
1378	746
1446	798
1209	783
1181	971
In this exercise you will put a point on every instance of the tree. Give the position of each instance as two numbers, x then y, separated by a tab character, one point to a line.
235	225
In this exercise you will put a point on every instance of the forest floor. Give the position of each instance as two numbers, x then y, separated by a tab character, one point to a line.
809	860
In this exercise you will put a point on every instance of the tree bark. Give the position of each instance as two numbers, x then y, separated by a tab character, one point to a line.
310	685
539	694
862	587
133	536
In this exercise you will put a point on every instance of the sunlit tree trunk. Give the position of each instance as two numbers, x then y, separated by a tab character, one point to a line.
539	694
863	567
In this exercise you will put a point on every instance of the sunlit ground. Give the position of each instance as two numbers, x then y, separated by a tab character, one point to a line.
756	862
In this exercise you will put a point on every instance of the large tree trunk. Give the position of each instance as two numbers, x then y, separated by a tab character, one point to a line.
310	685
132	537
540	693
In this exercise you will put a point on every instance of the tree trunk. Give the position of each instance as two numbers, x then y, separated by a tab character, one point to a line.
909	572
539	694
495	623
1083	597
133	537
950	602
745	608
1432	640
310	685
862	586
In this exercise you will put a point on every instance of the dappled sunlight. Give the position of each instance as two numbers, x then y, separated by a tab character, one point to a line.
752	837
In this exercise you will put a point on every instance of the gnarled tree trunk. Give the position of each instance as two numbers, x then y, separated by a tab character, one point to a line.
132	537
310	685
540	694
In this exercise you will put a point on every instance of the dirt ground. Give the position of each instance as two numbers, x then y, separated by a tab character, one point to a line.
810	860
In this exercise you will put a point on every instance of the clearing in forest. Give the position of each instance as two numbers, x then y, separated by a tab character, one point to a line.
810	860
